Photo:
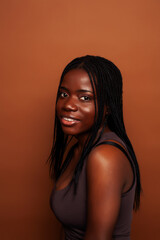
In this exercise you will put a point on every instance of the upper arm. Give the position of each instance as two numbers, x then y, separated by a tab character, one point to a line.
106	178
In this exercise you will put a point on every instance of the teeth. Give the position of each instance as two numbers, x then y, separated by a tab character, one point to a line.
68	119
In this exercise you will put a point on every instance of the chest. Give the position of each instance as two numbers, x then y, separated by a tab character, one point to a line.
67	175
70	207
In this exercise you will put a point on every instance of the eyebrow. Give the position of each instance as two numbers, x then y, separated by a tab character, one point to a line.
79	90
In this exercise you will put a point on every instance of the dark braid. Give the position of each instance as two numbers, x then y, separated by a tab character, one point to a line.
106	81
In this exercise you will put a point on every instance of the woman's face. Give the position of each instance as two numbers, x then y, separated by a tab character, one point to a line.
75	106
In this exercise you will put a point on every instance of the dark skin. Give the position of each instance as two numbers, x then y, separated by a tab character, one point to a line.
109	173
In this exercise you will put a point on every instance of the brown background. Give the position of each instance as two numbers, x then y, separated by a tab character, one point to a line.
38	38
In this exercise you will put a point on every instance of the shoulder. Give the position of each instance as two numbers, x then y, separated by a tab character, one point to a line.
108	165
106	178
107	156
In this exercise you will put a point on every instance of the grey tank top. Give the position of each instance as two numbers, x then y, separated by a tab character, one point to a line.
71	209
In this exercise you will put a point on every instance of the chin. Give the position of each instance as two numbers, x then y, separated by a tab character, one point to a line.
69	131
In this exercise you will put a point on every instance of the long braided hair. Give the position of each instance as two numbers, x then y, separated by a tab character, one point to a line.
106	81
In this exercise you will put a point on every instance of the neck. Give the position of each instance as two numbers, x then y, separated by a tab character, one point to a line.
82	138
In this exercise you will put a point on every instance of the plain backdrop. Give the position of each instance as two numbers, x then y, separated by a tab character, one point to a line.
38	38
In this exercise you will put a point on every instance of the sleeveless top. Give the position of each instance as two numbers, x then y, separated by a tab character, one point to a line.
71	209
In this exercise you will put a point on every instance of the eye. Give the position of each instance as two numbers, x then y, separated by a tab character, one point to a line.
85	98
63	94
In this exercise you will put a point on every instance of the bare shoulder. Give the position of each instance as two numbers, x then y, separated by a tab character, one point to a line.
108	176
108	163
107	155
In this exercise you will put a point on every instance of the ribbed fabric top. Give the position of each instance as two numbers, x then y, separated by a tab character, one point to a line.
71	209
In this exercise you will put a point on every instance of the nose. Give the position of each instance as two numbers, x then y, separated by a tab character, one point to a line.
70	105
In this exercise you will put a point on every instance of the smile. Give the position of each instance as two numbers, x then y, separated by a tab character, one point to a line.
67	121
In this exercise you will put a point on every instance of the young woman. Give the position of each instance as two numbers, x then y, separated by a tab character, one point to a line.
97	180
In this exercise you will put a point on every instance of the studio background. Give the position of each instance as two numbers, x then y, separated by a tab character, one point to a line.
38	38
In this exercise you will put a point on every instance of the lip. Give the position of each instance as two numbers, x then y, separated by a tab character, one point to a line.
69	121
71	117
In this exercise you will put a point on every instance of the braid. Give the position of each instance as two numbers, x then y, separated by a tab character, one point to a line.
106	81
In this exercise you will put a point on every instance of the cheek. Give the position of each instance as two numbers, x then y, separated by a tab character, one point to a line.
58	107
89	112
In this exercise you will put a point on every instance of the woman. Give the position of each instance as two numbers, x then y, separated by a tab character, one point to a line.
97	180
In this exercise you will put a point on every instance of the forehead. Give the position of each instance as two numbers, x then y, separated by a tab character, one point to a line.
77	79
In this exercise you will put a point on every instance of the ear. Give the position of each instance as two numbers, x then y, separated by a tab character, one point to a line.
105	113
106	110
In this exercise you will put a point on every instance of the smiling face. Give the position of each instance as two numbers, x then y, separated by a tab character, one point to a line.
75	106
